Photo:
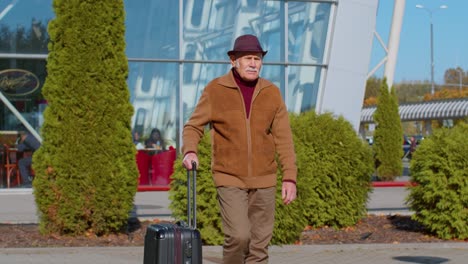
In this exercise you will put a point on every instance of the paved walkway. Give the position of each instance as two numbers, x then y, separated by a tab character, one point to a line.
17	206
340	254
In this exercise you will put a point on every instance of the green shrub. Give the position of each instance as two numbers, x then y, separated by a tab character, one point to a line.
439	167
334	170
208	218
289	219
388	135
86	175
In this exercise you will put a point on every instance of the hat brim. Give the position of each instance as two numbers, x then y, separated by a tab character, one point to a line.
233	52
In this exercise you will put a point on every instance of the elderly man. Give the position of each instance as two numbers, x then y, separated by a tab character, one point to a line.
250	126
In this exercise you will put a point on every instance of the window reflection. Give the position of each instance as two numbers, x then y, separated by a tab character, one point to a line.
308	25
154	96
203	73
274	74
208	31
152	29
197	12
267	25
319	31
224	15
303	88
23	26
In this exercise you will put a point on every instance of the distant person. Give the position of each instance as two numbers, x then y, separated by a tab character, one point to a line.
413	145
27	143
155	141
136	140
135	137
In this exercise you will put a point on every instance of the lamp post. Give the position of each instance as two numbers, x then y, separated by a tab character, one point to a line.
460	74
430	11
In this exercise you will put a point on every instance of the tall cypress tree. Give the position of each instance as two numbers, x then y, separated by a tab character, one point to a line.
86	176
388	134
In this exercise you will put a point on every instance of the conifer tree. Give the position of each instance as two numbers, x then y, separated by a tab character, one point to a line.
388	134
86	175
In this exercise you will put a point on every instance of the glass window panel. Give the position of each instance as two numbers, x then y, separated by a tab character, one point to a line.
221	22
21	83
267	23
308	25
201	75
207	39
154	93
152	29
275	74
23	26
303	88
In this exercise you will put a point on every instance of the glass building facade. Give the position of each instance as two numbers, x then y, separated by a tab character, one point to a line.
174	49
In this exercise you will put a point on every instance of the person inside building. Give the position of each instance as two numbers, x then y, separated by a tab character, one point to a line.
136	140
155	141
27	144
250	125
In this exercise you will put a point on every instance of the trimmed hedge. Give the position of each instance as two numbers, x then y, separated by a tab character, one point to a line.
440	168
334	173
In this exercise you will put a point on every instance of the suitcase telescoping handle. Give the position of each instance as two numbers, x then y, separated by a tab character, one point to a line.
192	209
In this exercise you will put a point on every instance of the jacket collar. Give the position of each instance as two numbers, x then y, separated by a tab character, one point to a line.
228	80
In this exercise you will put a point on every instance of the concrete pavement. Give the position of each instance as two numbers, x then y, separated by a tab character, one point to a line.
17	206
453	253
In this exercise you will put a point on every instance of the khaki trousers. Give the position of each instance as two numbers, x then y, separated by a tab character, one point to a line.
248	219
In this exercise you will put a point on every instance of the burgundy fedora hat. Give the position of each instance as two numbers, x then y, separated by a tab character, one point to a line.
246	43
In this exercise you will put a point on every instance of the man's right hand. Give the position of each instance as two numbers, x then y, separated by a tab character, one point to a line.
188	159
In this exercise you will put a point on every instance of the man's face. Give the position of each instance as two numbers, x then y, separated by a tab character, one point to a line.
247	64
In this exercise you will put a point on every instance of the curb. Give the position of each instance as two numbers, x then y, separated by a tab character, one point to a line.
149	188
394	184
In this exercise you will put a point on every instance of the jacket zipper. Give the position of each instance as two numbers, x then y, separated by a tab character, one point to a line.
249	138
247	124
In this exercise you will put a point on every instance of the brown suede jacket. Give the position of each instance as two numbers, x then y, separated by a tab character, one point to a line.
243	148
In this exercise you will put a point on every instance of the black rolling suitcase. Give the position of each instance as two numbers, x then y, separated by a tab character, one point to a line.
179	243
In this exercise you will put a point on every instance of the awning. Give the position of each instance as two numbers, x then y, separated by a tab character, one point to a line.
431	110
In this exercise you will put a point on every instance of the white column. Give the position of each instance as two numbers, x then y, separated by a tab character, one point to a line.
394	40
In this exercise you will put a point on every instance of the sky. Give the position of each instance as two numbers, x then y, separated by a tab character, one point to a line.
450	32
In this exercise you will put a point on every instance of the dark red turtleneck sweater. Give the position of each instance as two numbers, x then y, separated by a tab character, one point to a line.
247	88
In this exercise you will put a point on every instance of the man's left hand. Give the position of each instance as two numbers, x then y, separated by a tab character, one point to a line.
288	192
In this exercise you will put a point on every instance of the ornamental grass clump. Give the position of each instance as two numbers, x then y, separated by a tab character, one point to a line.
439	168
